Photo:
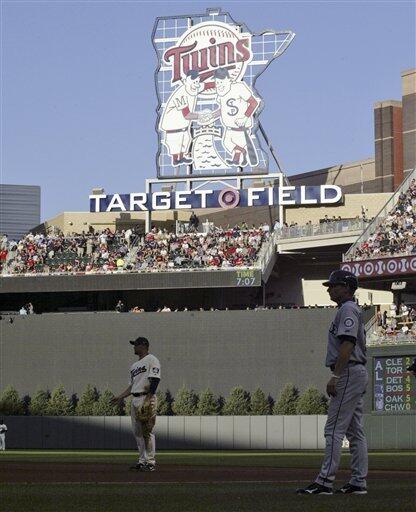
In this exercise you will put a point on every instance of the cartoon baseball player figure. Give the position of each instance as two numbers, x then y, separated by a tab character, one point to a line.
3	430
144	380
346	357
237	106
178	115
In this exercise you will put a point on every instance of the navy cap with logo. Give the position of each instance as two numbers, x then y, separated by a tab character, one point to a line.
342	277
141	340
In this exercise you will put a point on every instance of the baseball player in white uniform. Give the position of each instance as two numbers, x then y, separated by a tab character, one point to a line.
178	115
144	380
346	358
237	106
3	430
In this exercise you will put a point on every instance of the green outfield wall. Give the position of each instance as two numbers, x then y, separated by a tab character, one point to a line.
216	349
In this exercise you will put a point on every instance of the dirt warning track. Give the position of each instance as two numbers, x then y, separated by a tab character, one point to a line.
76	472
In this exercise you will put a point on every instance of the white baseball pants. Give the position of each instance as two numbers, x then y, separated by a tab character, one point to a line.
145	439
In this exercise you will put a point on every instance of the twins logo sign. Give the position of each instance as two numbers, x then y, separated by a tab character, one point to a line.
208	105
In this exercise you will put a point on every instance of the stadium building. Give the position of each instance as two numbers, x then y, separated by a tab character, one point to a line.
255	322
19	209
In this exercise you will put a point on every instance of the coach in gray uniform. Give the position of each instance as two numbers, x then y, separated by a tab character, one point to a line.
346	357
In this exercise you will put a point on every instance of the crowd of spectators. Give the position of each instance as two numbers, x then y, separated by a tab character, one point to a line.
108	252
396	235
120	308
398	323
221	248
57	253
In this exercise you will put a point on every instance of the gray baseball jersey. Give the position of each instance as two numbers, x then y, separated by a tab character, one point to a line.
348	322
345	411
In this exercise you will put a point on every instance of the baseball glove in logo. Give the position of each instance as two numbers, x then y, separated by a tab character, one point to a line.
208	106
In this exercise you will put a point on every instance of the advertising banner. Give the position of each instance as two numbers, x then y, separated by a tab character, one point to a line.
225	198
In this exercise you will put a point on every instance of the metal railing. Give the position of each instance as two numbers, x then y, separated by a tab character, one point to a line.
369	326
377	256
267	251
396	338
131	255
381	216
324	228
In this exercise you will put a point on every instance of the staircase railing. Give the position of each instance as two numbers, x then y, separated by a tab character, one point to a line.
267	252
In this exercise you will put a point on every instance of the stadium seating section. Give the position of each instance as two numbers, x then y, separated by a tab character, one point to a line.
109	252
396	235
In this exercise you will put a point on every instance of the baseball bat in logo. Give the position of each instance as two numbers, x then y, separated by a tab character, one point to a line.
251	150
207	47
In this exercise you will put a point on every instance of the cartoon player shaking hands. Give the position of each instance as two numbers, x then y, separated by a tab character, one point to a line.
237	106
178	115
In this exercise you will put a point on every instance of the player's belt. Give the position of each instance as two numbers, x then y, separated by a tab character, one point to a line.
351	363
238	129
140	394
177	131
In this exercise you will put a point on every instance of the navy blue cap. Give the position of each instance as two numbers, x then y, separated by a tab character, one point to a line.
193	73
221	73
342	277
141	340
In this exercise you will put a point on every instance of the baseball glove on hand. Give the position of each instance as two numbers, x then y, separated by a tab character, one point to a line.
146	411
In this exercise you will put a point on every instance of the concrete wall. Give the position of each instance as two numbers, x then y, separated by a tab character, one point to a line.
298	279
315	293
218	349
409	120
201	432
353	177
388	127
77	222
352	207
125	281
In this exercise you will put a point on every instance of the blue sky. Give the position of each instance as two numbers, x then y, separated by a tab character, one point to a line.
78	95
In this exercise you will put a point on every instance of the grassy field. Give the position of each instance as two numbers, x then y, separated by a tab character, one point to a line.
199	498
405	460
392	493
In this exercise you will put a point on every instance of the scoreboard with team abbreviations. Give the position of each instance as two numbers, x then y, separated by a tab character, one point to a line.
394	386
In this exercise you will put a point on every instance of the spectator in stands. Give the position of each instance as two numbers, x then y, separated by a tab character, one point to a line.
277	227
193	222
265	227
127	235
404	312
384	318
3	255
120	307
